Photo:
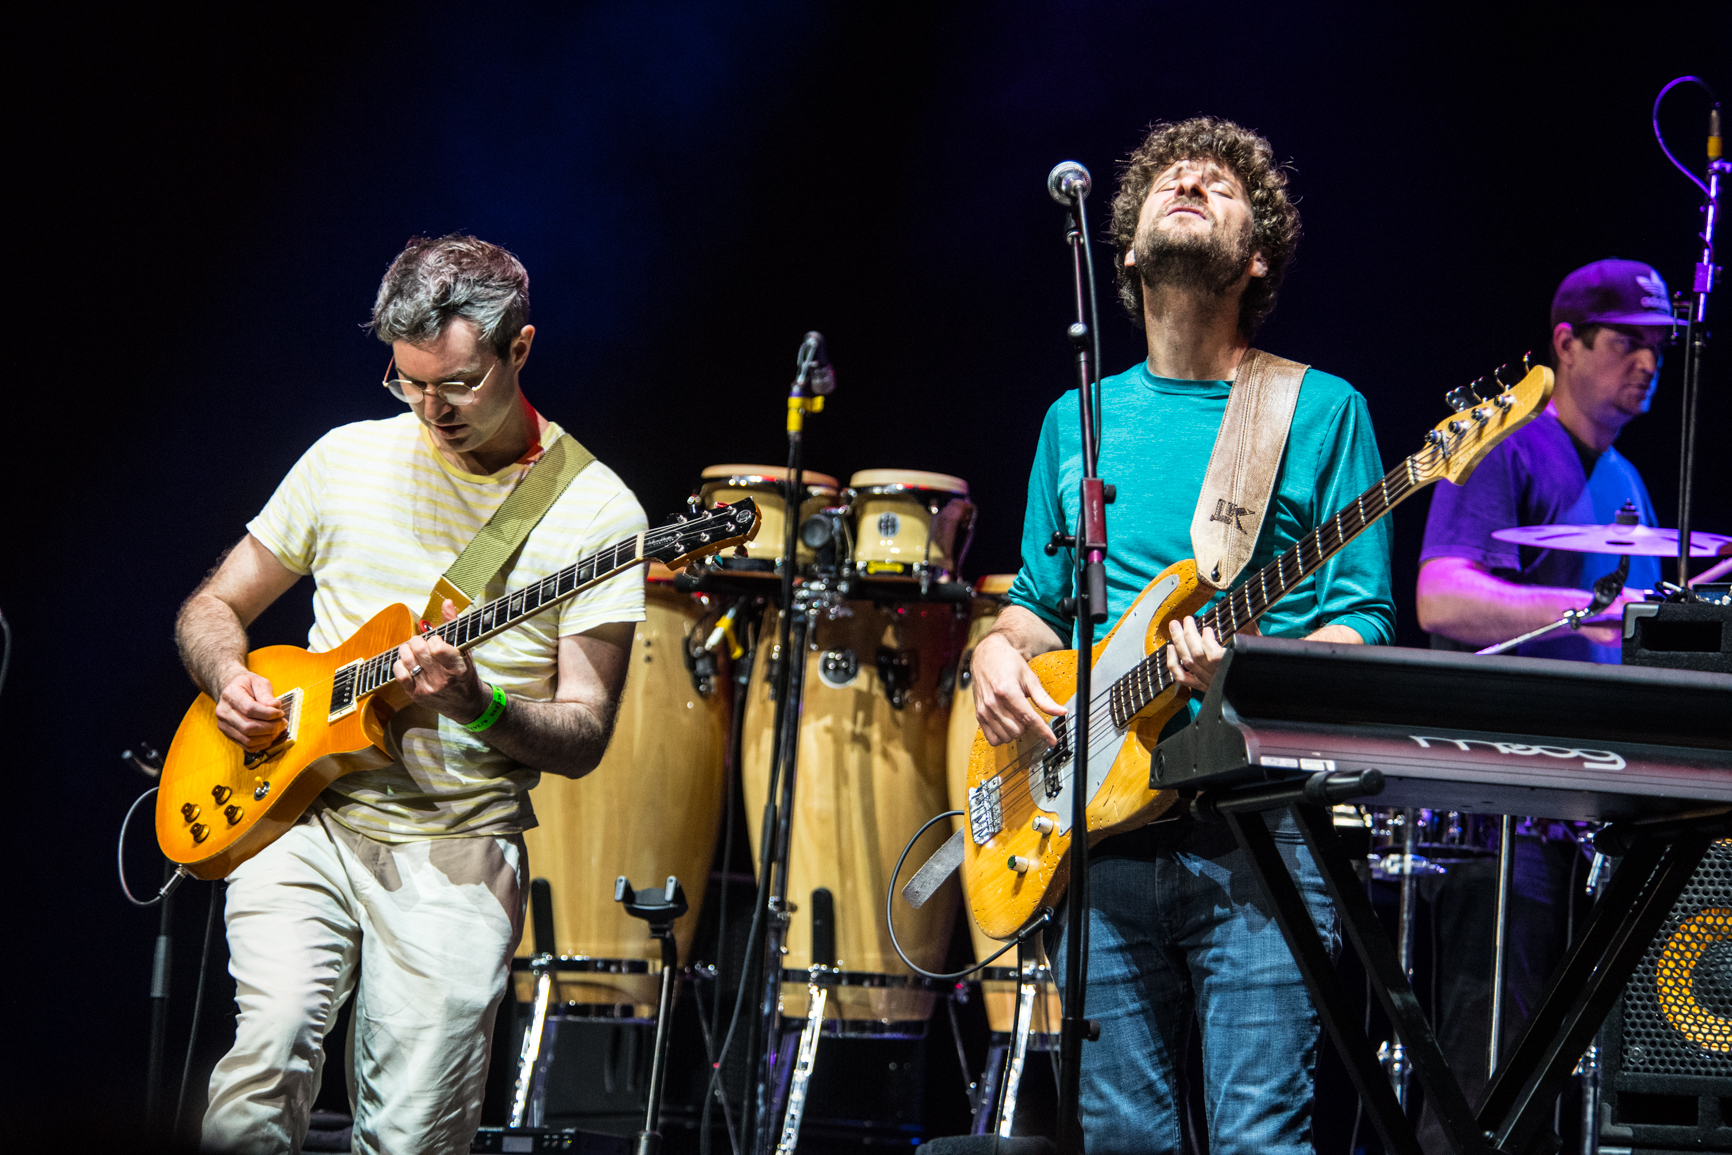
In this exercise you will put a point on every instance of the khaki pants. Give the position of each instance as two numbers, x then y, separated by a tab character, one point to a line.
421	934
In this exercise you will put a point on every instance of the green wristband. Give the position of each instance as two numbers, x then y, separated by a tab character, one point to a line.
489	715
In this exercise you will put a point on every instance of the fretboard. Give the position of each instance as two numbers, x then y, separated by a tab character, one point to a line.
478	623
1246	602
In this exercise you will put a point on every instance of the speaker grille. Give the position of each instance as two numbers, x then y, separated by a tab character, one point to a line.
1677	1012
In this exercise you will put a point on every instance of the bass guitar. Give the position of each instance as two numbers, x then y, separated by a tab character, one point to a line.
1016	857
219	804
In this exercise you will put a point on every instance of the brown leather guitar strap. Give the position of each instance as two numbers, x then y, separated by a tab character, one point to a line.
1247	456
522	508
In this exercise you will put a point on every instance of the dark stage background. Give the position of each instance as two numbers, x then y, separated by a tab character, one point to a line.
207	205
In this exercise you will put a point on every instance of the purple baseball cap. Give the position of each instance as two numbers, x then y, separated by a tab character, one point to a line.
1613	292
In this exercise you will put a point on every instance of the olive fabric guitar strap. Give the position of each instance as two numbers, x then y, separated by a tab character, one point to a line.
510	524
1242	468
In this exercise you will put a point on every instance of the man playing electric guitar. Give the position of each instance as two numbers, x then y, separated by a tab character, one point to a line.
1204	231
402	885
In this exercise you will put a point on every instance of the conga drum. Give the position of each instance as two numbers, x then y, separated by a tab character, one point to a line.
998	983
721	484
909	524
651	809
870	773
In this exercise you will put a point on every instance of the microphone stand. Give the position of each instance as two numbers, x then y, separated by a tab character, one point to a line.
812	380
1089	544
1696	324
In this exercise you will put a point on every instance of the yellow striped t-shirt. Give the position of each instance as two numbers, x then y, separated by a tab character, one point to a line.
375	514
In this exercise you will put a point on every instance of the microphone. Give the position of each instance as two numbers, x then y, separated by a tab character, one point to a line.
1068	182
814	365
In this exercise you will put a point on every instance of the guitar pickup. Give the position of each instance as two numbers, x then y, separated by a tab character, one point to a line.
344	684
985	814
290	703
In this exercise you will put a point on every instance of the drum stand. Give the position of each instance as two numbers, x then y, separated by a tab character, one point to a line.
1002	1078
661	909
1391	1053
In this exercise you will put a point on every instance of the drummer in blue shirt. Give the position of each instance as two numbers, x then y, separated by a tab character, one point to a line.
1609	321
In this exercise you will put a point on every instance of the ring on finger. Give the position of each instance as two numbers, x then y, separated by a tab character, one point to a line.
414	673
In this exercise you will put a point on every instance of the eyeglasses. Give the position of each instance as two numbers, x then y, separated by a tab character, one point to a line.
451	392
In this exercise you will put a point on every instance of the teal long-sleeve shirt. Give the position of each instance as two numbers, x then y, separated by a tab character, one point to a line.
1156	437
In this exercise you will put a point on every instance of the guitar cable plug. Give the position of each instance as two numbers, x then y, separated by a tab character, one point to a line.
180	875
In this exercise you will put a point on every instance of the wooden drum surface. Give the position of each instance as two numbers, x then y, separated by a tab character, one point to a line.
999	996
869	775
651	809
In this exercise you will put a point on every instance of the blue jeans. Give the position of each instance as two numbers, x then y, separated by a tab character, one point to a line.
1178	931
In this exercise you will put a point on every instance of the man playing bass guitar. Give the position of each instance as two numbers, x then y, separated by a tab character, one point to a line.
1204	231
402	885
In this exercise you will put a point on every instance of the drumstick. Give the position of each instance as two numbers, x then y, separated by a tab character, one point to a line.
1713	573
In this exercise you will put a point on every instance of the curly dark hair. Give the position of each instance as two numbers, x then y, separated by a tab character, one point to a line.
1274	220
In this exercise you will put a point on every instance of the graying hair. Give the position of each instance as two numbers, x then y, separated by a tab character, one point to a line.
434	281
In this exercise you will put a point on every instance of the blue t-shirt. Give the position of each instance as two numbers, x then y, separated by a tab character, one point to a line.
1156	437
1538	476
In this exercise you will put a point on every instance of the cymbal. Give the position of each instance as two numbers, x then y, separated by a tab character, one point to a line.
1638	540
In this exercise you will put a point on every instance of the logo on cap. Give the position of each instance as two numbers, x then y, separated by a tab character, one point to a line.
1655	286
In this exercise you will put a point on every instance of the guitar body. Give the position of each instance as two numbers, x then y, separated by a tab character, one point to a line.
268	791
1033	786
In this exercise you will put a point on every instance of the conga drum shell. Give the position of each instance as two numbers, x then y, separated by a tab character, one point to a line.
763	484
908	520
650	809
870	774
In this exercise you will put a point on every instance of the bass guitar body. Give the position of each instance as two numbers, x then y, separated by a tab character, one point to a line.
218	805
1017	855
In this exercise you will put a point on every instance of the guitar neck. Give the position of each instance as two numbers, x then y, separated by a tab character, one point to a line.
1248	601
478	623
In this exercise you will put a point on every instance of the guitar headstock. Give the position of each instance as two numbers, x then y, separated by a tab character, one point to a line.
693	535
1486	412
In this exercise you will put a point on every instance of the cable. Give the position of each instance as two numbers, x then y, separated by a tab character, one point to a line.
1655	119
736	753
5	648
1040	919
210	919
180	872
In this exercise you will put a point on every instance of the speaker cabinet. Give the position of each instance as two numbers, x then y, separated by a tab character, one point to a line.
1668	1061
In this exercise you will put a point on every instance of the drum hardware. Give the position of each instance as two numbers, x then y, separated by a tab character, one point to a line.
1606	591
660	909
897	670
1034	995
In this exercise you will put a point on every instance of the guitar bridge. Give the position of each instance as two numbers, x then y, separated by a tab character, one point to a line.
985	815
290	703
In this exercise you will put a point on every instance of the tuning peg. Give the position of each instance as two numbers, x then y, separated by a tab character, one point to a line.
1485	388
1528	362
1459	398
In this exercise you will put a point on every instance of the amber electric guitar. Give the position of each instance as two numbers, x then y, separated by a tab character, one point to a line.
1016	858
219	804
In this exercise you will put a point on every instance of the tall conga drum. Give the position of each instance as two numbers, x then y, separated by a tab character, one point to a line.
998	983
871	772
651	809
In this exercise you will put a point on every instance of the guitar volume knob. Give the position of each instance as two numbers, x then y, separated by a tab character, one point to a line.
233	814
1043	824
200	832
1019	864
189	812
220	793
